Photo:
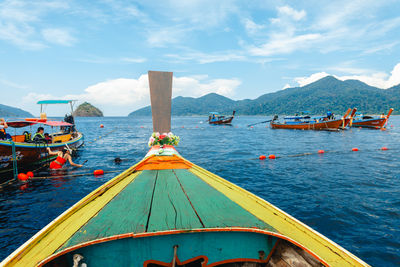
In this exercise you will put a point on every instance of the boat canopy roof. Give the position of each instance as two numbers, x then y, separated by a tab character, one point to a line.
55	101
20	124
297	117
214	113
57	123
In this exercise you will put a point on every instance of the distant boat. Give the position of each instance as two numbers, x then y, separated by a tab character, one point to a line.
309	123
167	212
216	118
21	153
371	122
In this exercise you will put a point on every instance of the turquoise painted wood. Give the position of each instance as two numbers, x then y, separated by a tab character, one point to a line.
213	207
126	213
171	208
215	246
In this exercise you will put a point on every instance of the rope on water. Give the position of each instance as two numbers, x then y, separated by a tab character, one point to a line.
69	175
101	136
15	164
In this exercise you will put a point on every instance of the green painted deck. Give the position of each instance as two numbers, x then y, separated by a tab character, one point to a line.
165	200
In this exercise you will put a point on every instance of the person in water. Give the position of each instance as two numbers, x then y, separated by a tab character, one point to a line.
62	157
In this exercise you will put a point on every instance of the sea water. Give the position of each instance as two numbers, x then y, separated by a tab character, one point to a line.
352	197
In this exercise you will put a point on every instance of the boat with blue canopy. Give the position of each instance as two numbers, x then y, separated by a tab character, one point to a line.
20	152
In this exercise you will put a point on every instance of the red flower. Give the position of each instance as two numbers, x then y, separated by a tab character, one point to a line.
162	136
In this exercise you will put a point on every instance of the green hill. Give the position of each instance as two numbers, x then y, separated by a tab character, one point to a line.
7	111
87	110
318	97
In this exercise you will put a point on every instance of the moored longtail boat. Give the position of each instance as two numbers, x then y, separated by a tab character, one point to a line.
308	123
21	153
371	122
166	211
215	118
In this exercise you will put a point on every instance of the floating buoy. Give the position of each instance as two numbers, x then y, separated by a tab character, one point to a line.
98	172
183	126
23	177
321	151
262	157
272	156
30	174
101	126
197	126
384	148
141	127
354	149
391	125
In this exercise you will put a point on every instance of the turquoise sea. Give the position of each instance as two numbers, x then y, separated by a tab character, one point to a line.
351	197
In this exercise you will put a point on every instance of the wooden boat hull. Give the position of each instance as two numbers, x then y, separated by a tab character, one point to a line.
372	123
166	209
324	125
224	121
29	155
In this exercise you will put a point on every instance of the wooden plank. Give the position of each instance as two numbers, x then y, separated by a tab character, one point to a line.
213	207
126	213
160	95
170	208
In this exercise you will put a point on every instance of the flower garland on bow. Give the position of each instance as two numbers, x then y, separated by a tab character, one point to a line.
163	139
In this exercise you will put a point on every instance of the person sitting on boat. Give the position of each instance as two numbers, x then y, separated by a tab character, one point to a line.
39	136
62	157
329	114
383	115
3	126
48	139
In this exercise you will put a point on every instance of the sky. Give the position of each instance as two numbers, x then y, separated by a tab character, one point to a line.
100	51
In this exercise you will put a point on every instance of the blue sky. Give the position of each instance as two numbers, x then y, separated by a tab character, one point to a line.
100	51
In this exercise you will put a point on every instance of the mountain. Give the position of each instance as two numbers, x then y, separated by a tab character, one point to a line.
87	110
7	111
317	98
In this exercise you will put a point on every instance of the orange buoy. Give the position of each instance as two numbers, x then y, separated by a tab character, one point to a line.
101	126
262	157
354	149
23	177
384	148
321	151
98	172
272	156
30	174
141	127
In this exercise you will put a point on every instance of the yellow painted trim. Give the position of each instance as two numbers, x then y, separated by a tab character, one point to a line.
57	232
285	224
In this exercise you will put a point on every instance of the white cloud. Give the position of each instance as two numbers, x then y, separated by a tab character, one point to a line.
122	96
19	21
134	60
284	44
204	58
252	27
58	36
378	79
292	13
302	81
